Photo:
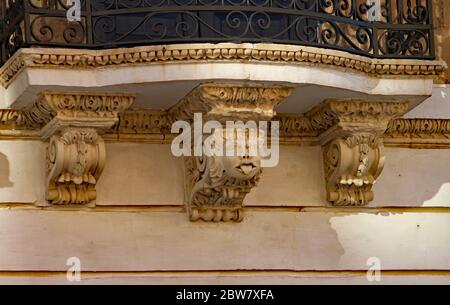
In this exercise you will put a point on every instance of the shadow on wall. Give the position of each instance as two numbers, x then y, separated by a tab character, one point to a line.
414	177
4	172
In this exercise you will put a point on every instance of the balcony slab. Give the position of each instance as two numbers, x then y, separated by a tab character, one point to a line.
162	75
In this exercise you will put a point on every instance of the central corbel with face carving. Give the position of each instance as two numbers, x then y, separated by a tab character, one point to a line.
216	184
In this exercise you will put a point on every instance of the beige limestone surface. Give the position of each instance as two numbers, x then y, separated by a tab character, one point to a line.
147	174
152	240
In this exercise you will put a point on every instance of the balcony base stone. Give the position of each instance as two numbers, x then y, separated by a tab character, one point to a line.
162	75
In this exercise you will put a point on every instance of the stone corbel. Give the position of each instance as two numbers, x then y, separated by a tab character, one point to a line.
73	124
352	143
215	186
75	160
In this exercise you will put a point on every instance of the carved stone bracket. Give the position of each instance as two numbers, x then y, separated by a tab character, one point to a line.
215	186
352	164
73	123
353	148
75	160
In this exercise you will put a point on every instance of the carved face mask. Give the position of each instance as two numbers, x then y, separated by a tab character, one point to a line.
242	168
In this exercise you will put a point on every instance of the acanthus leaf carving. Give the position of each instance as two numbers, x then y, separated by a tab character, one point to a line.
224	102
154	125
353	150
73	124
352	165
216	185
75	161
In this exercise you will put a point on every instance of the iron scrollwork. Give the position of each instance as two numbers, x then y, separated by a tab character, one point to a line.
403	29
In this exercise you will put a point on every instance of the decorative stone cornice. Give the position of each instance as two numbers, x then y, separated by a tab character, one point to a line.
11	69
153	126
413	132
216	185
418	128
144	121
246	52
14	119
331	113
353	150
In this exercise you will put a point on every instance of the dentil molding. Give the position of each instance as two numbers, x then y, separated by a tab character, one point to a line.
243	52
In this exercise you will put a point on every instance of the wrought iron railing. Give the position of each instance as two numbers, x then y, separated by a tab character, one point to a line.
403	28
